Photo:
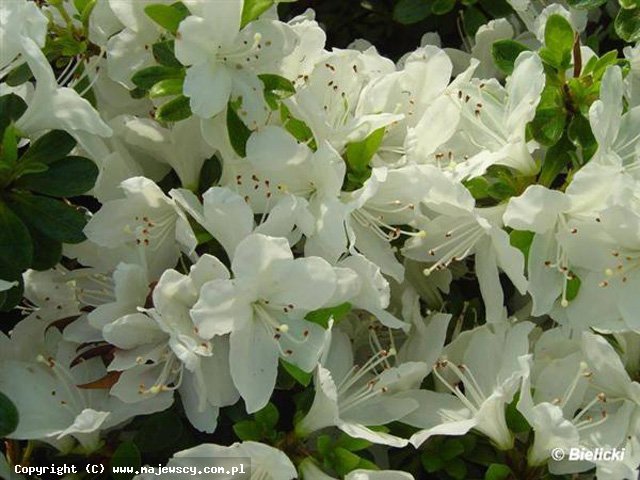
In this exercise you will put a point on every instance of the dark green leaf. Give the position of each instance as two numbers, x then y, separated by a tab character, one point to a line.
8	416
126	455
148	77
164	53
174	110
9	147
473	19
555	162
19	75
210	173
11	109
431	462
248	430
252	9
51	217
441	7
46	251
498	471
238	132
581	136
300	376
16	250
456	469
68	177
158	432
50	147
167	16
627	24
411	11
505	53
515	420
268	416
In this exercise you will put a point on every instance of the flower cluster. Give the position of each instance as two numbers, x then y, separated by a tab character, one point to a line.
350	267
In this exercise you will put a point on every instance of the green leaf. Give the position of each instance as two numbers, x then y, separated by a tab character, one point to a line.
345	461
441	7
359	154
148	77
46	251
456	469
324	444
352	444
210	173
478	187
49	216
238	132
573	287
8	416
158	432
164	53
164	88
248	430
252	9
267	417
505	53
411	11
556	160
19	75
11	109
451	449
16	249
473	19
67	177
581	136
521	239
9	147
586	4
13	296
498	471
50	147
515	420
558	34
126	455
548	124
323	315
300	376
627	24
276	88
167	16
297	128
174	110
431	462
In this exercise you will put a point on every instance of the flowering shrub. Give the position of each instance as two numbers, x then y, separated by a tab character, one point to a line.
221	237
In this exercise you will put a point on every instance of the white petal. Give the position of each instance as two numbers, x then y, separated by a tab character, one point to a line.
208	86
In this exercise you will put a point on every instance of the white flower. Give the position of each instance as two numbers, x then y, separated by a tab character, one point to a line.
354	397
44	380
263	308
457	230
224	60
490	381
146	222
328	99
